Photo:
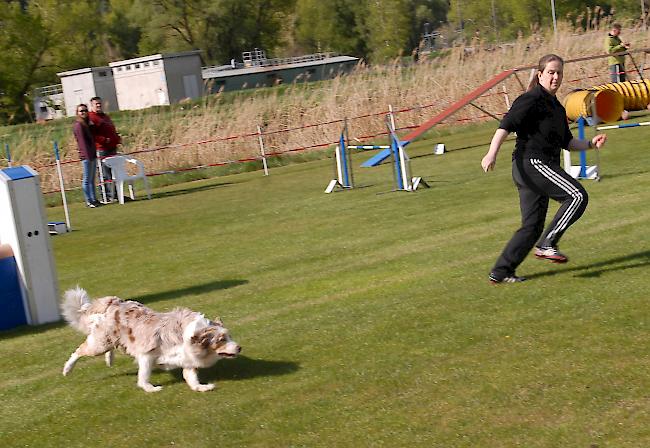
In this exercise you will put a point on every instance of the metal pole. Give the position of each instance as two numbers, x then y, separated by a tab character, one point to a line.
554	21
61	183
8	154
494	22
259	137
102	181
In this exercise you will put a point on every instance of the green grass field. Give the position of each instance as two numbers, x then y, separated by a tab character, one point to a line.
365	316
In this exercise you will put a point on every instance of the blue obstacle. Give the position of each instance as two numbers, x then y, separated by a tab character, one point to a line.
380	157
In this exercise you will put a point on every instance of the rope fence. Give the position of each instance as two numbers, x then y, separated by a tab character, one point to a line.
267	143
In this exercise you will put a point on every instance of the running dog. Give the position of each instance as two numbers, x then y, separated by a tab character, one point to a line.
178	339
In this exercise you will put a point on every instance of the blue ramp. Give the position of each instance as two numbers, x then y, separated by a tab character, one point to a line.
376	159
380	156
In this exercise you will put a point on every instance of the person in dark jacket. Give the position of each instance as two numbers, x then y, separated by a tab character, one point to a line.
106	137
87	154
542	130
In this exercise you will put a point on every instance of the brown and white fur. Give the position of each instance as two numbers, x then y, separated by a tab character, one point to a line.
178	339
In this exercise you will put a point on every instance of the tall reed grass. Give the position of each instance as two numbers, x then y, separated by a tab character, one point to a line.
424	88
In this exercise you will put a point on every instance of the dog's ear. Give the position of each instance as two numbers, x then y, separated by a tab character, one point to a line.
217	321
203	338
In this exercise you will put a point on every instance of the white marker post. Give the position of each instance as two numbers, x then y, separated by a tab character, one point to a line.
62	185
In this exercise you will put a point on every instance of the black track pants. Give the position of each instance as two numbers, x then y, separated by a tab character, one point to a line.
538	181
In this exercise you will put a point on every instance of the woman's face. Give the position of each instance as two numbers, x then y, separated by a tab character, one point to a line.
551	77
82	111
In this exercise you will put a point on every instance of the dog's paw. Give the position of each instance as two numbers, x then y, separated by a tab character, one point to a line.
150	387
67	369
204	387
108	357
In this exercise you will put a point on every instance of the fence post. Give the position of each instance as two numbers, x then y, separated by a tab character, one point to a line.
8	154
505	95
259	137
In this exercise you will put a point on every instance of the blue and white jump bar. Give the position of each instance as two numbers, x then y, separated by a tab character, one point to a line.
369	147
622	126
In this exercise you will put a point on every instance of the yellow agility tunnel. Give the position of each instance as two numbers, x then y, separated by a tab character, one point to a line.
636	94
607	104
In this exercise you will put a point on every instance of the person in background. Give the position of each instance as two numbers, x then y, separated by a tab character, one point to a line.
542	130
87	153
614	44
106	138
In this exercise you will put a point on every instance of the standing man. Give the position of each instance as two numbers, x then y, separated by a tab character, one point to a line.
106	138
614	44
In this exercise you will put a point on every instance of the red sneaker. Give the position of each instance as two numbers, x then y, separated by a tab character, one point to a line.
551	254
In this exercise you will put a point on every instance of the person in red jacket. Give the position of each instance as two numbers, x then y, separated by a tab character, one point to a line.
106	137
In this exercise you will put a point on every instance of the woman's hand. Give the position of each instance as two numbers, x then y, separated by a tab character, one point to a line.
488	161
599	140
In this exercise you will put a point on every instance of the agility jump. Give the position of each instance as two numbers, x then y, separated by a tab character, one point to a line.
401	163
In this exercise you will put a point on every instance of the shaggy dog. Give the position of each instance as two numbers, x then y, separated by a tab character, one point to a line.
180	338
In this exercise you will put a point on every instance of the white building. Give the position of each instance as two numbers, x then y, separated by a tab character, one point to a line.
49	103
80	85
157	80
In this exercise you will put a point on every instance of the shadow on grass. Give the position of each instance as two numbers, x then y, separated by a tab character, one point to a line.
243	368
26	330
240	368
192	189
632	261
190	290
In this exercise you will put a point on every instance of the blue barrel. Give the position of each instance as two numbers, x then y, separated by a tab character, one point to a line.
12	311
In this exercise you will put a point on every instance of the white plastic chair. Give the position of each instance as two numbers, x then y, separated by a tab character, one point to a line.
120	176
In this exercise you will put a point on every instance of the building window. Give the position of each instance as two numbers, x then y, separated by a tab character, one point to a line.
102	73
156	62
119	69
128	67
137	65
146	64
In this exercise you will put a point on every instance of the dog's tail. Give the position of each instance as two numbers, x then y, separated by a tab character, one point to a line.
75	303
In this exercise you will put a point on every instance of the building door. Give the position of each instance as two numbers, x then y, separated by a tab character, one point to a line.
191	86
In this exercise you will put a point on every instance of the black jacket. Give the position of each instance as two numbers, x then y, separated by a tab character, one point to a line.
541	125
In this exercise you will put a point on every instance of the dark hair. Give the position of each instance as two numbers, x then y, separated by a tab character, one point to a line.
617	26
84	121
543	62
96	98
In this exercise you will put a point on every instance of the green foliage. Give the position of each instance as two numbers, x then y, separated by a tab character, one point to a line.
40	38
508	19
222	29
337	25
23	43
378	30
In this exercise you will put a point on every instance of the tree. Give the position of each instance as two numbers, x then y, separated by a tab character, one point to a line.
337	25
388	26
38	40
221	28
23	44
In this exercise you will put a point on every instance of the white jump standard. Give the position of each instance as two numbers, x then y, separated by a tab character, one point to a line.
342	166
402	163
